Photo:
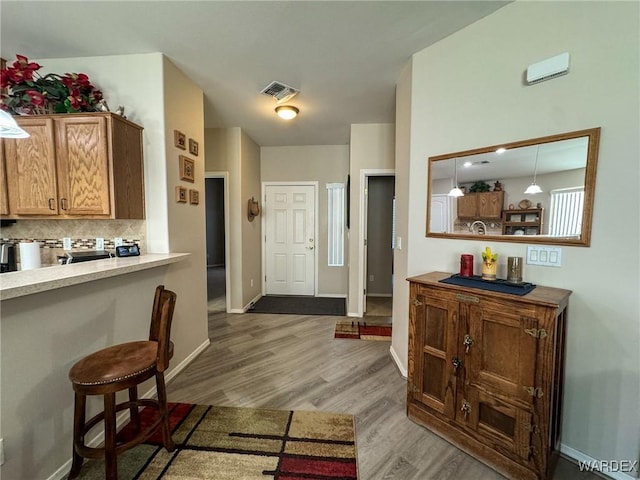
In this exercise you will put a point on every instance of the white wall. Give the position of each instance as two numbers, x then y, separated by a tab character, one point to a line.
251	231
467	92
324	164
372	147
139	83
233	151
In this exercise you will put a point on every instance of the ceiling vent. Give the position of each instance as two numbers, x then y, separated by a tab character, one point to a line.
280	91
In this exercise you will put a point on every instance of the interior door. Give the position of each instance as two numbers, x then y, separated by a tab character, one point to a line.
290	247
440	214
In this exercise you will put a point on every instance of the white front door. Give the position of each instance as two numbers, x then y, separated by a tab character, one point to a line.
290	247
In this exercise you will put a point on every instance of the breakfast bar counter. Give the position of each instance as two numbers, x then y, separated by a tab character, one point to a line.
28	282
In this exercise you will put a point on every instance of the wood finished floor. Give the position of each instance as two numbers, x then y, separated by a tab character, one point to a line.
293	362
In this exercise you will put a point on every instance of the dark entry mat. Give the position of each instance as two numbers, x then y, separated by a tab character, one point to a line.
497	285
300	305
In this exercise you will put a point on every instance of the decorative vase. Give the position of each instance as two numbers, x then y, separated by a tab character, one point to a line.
489	270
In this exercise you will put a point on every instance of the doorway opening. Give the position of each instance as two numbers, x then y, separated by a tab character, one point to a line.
379	235
216	235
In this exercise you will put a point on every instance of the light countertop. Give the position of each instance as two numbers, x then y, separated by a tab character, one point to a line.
27	282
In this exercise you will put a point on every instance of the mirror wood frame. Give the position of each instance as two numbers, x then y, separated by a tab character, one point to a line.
593	135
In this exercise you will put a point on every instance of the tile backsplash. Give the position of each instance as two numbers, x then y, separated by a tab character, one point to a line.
83	234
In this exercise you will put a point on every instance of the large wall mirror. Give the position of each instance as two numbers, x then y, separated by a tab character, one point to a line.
480	194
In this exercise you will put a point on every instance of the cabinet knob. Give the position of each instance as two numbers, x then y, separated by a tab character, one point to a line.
466	408
467	342
457	363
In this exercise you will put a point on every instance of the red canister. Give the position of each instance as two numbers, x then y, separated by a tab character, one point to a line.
466	265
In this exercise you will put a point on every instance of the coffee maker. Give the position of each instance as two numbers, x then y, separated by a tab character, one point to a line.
7	257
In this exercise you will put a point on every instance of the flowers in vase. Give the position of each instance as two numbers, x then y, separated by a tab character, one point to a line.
488	256
30	93
489	264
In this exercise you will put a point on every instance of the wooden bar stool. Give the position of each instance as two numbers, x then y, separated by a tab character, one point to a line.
123	367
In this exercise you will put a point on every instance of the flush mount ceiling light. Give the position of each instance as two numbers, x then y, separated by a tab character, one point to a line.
287	112
9	128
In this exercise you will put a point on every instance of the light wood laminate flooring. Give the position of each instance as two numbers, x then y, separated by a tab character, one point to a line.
293	362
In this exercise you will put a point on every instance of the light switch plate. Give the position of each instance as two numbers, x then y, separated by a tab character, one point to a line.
544	256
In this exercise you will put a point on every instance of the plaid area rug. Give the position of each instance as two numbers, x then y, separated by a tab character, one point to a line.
227	443
363	331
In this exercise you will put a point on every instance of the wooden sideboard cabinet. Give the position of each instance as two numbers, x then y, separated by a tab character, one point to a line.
484	205
485	371
77	165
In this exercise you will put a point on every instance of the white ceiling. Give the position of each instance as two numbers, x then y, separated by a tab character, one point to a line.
345	57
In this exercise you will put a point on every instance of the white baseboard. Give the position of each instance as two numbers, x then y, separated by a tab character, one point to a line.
577	456
396	359
332	295
123	417
352	314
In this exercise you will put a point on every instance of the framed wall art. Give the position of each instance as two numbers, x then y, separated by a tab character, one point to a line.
181	194
179	139
187	169
193	147
194	197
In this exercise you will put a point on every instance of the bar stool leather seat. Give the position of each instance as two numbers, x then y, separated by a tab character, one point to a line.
124	367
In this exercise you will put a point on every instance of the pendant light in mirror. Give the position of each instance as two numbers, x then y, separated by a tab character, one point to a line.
534	188
455	191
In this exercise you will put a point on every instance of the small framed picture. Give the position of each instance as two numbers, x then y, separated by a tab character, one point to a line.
181	194
193	147
194	197
179	139
187	169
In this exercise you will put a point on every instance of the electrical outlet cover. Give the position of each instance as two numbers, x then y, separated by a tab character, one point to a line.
99	243
66	243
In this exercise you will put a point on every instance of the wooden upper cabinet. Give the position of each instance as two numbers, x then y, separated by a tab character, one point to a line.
83	165
484	205
31	169
78	165
4	201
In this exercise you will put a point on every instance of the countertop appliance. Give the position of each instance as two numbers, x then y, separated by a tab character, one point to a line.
87	255
8	258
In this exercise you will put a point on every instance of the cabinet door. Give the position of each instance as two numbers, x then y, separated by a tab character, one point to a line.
31	169
433	350
468	206
502	356
490	204
4	203
496	421
83	165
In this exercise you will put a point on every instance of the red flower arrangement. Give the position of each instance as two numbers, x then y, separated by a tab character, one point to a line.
30	93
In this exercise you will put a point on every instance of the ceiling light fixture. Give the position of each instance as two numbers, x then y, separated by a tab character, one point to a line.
9	128
287	112
534	188
455	191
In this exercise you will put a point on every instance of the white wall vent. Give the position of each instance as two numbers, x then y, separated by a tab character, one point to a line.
280	91
547	69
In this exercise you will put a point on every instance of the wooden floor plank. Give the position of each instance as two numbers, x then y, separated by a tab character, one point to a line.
293	362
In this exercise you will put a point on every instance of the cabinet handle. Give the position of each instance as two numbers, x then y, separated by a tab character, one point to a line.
457	363
467	342
466	408
63	203
51	201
